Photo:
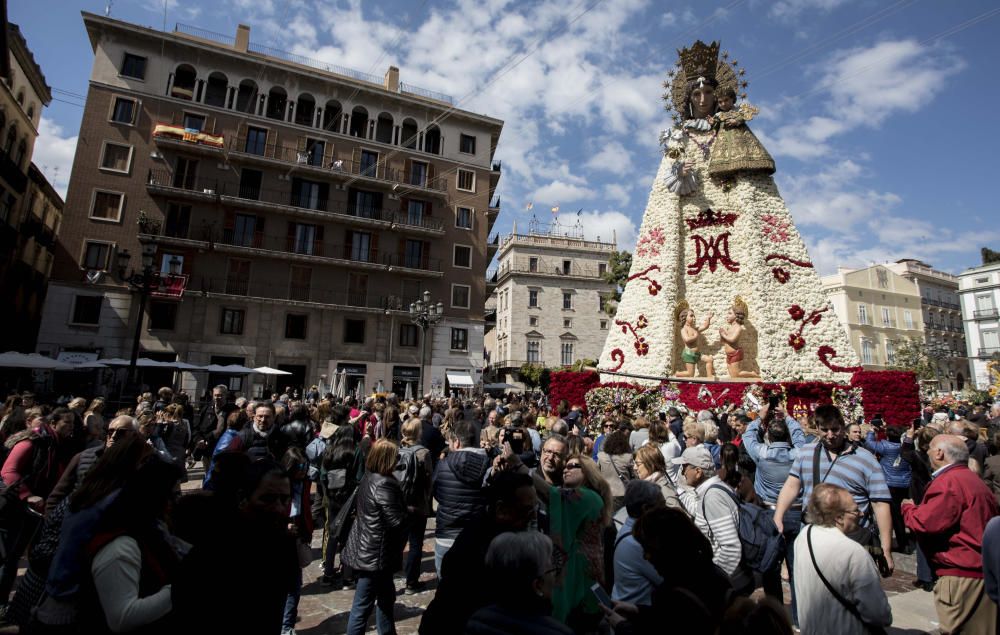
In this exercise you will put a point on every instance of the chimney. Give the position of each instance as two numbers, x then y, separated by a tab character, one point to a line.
392	79
242	38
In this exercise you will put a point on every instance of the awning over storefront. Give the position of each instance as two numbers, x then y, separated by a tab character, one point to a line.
460	380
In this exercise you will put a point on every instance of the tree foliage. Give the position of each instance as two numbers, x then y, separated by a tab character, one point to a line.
990	256
619	265
534	376
914	355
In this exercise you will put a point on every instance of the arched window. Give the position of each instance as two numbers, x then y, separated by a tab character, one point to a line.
8	146
383	128
408	135
246	96
305	110
31	112
432	140
277	103
359	123
331	115
184	80
22	149
216	90
20	97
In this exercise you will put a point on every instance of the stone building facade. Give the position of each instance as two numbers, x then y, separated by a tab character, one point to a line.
300	206
979	296
879	310
549	301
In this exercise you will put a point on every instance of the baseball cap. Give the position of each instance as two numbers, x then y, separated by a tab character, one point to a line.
698	456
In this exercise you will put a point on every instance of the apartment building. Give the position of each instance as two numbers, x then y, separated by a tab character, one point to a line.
879	309
942	316
548	296
293	209
979	295
30	209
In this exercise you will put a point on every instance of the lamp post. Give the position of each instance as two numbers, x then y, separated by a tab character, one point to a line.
425	314
143	281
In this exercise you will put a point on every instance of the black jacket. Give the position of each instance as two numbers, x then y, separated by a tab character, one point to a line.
430	438
258	447
376	540
458	489
532	616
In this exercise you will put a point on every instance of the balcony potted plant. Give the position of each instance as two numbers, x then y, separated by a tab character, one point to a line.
147	225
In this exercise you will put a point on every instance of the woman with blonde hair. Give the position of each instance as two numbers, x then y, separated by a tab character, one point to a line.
650	466
417	497
639	436
93	422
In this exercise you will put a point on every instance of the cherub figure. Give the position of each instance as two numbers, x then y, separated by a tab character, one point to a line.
730	335
690	333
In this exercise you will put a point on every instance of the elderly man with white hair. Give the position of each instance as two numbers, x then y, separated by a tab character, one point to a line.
949	524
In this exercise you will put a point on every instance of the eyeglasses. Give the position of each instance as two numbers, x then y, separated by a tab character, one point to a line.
854	512
573	466
118	433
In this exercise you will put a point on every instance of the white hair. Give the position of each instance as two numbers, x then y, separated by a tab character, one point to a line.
523	554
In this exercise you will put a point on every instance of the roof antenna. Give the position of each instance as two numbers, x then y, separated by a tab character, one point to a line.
107	8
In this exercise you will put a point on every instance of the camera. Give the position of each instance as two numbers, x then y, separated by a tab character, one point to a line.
514	436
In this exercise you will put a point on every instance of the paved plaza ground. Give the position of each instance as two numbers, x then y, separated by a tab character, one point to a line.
323	611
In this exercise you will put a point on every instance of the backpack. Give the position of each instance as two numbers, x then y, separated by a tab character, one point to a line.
408	472
762	545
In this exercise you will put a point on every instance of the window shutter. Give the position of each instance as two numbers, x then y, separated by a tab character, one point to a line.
291	235
428	208
271	140
258	231
404	206
374	247
355	161
319	241
324	196
425	255
301	143
296	191
348	243
430	174
229	220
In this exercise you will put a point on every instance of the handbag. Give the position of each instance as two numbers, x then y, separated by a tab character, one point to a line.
853	610
866	534
304	551
623	477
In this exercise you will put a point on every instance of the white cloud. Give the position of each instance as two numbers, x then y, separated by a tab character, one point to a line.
609	225
792	8
616	193
835	198
558	192
610	156
53	154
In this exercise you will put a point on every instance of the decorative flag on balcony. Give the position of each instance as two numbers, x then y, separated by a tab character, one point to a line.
555	210
529	206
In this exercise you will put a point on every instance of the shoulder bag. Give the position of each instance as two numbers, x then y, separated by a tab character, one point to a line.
853	610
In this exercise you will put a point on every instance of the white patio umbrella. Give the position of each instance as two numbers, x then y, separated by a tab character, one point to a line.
340	390
12	359
267	370
409	391
379	387
359	392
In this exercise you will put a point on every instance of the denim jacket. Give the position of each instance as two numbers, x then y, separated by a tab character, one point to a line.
897	469
774	460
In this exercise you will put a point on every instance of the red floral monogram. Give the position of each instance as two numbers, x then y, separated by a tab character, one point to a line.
639	342
712	252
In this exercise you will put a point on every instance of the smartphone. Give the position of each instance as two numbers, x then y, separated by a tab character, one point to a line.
602	596
773	401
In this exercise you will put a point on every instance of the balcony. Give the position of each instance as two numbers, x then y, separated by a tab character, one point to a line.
300	295
254	197
179	137
509	363
943	305
548	269
984	314
492	247
986	353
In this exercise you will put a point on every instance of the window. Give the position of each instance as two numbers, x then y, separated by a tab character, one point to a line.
171	263
408	334
134	66
250	181
295	326
862	314
256	141
534	351
890	352
354	331
177	220
418	173
883	278
566	267
467	144
567	300
361	244
413	254
162	315
231	322
460	296
415	212
886	317
186	173
566	356
95	255
601	303
467	180
982	280
604	325
567	323
463	217
459	339
238	276
357	289
908	319
194	122
309	194
117	157
867	352
244	230
303	238
107	206
299	283
123	111
315	149
86	310
369	163
532	321
463	257
533	298
602	269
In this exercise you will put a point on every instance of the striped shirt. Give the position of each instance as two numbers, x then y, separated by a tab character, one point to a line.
718	521
856	470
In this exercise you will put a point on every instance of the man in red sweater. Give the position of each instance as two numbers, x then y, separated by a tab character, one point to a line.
949	525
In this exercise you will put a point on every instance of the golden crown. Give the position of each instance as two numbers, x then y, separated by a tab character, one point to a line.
701	60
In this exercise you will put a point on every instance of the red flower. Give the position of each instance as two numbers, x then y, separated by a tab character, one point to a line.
796	312
781	274
815	318
642	322
796	341
641	347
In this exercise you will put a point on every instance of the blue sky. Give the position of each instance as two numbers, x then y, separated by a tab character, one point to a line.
880	114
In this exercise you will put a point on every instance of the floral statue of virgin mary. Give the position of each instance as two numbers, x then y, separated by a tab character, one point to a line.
716	230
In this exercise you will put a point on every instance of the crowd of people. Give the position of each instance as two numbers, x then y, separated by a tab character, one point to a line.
546	519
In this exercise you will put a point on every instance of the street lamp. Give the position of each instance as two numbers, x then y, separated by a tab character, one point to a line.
144	281
425	314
